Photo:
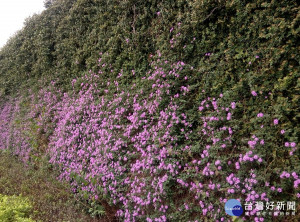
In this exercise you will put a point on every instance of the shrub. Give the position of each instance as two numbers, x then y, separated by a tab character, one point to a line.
15	208
189	104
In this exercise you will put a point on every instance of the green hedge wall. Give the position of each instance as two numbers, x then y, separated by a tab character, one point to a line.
233	47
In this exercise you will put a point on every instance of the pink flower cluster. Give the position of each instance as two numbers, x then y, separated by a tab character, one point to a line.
136	146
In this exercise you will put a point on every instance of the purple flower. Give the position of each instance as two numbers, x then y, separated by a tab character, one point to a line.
279	190
217	162
293	144
260	115
233	105
253	93
294	174
283	174
229	116
275	121
296	183
286	144
282	131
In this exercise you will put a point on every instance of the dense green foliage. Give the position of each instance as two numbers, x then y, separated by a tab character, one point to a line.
34	192
231	48
14	209
65	40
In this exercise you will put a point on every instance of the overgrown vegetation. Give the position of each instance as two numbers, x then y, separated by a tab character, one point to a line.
43	198
159	110
14	208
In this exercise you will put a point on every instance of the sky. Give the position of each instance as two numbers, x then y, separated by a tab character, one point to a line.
13	14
